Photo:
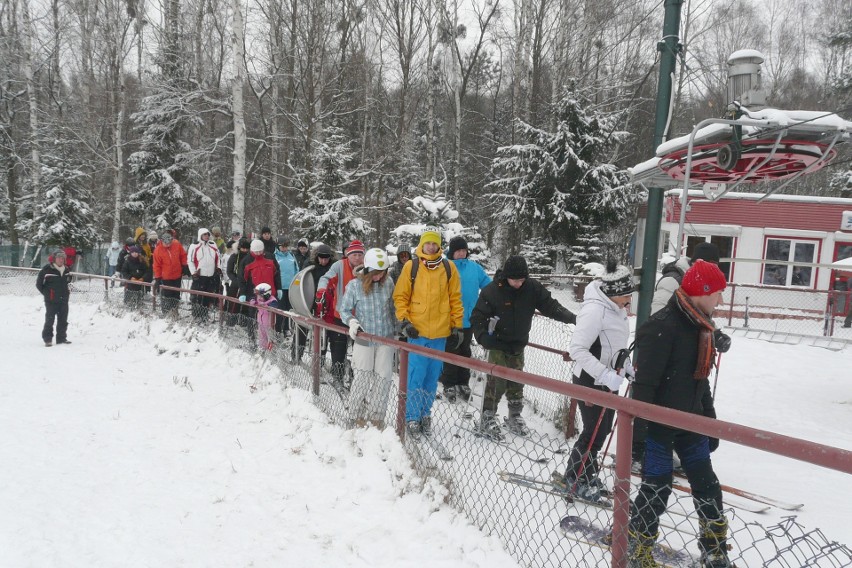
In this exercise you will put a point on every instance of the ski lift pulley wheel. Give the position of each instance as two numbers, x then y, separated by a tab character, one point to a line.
718	162
302	291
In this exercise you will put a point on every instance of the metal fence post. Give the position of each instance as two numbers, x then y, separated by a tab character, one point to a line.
731	307
316	362
403	393
621	486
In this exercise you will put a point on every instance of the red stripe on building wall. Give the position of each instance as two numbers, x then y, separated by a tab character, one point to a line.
747	213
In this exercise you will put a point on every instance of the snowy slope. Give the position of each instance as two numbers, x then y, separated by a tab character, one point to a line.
117	455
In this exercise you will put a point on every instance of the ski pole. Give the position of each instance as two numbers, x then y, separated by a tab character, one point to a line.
614	424
716	377
588	449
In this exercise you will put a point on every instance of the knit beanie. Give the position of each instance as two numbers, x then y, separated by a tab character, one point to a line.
430	235
702	279
705	251
456	243
257	246
515	268
617	280
355	246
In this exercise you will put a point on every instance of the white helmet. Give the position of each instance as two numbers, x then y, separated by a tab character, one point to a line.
263	290
376	259
257	246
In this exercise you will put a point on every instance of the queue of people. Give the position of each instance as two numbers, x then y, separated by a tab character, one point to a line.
443	302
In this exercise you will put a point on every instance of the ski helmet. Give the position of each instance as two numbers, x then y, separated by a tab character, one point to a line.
257	246
375	259
283	241
263	290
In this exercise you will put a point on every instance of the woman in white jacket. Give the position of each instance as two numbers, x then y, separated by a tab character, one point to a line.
601	335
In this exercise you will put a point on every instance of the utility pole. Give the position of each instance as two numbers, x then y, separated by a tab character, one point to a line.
669	48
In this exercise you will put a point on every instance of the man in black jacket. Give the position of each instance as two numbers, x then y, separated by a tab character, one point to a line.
675	351
53	282
501	322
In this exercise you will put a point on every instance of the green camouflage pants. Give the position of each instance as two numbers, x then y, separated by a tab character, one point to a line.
496	387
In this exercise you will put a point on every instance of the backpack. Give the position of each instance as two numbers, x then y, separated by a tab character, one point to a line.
416	265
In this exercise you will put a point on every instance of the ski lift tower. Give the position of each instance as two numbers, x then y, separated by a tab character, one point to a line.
751	144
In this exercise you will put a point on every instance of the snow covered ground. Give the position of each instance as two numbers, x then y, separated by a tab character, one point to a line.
144	445
114	455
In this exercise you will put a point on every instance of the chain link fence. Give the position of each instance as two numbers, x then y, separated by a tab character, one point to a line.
511	488
787	314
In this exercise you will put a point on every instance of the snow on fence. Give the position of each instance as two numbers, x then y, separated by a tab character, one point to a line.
522	509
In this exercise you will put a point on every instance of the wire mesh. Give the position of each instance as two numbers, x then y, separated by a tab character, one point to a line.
512	488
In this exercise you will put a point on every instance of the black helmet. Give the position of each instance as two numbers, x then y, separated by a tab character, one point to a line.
244	243
129	241
283	241
325	250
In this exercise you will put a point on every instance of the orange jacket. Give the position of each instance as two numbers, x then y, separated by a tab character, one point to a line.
169	261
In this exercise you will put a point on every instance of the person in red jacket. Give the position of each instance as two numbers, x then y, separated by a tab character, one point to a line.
260	270
169	266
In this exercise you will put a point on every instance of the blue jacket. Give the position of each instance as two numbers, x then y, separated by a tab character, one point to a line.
289	267
473	279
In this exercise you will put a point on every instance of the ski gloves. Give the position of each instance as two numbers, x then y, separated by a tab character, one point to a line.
456	338
610	379
354	328
722	341
409	331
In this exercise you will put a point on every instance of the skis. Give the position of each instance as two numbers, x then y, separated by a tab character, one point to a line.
505	444
551	488
582	531
756	497
751	506
440	449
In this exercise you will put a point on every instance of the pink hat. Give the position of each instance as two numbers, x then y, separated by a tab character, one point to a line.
355	246
703	278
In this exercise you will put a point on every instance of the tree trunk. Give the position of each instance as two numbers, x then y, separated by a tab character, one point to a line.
32	95
238	211
118	169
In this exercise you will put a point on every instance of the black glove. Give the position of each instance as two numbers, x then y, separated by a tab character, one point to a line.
714	444
722	341
456	338
195	276
569	317
156	285
186	271
409	331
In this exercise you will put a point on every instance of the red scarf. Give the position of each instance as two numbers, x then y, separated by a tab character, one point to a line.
706	349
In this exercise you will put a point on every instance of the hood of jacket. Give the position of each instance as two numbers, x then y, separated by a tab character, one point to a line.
115	245
202	231
138	233
420	254
677	268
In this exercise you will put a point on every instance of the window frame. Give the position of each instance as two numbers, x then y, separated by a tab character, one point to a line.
791	259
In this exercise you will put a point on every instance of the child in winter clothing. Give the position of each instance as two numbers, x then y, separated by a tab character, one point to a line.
368	304
263	298
133	269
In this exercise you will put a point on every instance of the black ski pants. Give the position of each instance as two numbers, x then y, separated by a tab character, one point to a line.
452	375
583	462
55	312
169	299
338	343
282	324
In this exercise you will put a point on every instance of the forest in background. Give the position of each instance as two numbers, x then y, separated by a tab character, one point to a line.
243	113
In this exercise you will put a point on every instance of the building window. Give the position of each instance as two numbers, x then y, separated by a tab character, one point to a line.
789	250
725	245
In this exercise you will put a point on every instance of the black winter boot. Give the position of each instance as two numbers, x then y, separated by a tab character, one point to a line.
713	543
515	422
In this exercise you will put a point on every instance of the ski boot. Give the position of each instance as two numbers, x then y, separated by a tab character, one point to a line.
640	551
489	427
714	543
426	426
413	430
451	394
464	391
515	422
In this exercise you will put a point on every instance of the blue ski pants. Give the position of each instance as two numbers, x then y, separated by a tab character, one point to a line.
423	373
